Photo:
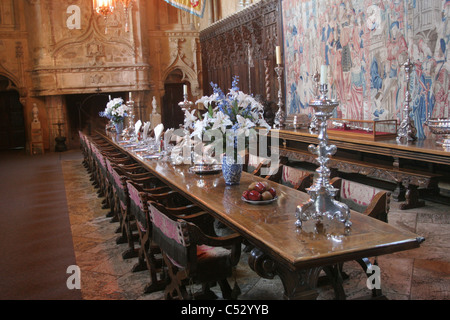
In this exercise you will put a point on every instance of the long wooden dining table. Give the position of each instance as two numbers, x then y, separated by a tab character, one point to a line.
280	248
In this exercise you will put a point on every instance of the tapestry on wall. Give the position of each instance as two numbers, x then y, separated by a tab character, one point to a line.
365	44
195	7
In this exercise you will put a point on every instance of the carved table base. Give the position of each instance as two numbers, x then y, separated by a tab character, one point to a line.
298	285
302	284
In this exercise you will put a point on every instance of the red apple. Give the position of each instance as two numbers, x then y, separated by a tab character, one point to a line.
260	187
245	194
254	195
273	192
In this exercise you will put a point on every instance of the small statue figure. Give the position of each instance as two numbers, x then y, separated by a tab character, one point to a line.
35	112
154	104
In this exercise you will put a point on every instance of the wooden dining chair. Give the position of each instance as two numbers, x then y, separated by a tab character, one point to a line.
253	164
293	177
365	199
140	195
148	250
191	255
122	204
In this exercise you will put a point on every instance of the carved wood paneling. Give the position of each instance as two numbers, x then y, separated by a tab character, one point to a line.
244	44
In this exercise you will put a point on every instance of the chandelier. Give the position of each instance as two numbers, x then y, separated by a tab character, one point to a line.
107	7
104	7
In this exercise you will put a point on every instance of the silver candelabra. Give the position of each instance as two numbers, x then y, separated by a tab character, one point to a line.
130	114
280	116
186	105
407	131
322	203
313	127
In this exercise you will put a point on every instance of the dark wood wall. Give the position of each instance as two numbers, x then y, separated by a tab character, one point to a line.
244	45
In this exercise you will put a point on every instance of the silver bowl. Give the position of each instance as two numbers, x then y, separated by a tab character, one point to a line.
441	128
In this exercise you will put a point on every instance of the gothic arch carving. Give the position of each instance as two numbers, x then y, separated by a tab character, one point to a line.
94	38
14	82
179	62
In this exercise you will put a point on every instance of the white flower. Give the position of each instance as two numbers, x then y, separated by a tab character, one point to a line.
221	121
206	100
115	110
262	122
199	127
189	118
120	111
245	124
235	110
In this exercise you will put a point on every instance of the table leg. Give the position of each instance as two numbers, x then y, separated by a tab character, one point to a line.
399	193
298	284
366	264
412	199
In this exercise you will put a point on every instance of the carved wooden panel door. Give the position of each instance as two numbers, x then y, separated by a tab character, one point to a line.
171	113
12	124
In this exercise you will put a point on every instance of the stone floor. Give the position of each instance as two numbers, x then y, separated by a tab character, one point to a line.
419	274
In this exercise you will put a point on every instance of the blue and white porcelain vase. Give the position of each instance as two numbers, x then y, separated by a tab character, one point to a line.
231	170
119	127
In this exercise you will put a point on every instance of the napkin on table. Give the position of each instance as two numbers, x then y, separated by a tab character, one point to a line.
146	128
158	131
167	137
138	126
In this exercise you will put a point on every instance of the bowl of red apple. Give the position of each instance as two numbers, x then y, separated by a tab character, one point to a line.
260	193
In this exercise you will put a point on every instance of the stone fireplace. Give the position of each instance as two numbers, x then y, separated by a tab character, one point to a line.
79	65
65	60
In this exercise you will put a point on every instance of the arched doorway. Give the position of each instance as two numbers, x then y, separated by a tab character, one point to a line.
12	122
171	114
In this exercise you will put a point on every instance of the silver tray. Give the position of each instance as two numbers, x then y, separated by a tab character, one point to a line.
262	202
151	156
206	169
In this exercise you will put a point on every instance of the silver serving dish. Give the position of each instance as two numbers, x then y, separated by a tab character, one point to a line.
297	121
206	169
152	156
441	128
260	202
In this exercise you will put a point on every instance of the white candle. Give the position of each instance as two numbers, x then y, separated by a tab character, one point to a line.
185	90
109	97
323	74
129	96
278	54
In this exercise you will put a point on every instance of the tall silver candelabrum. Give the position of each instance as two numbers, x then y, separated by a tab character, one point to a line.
280	116
322	203
186	105
407	131
313	127
130	115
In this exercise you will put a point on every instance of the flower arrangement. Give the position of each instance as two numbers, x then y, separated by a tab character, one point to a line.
235	114
115	110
